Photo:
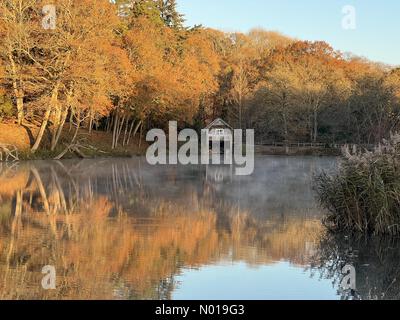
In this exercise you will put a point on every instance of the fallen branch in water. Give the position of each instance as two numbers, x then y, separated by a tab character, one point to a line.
93	148
76	148
73	148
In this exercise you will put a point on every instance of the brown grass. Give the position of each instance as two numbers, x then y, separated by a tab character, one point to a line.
22	138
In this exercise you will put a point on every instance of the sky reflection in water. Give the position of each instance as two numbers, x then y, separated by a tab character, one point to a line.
121	229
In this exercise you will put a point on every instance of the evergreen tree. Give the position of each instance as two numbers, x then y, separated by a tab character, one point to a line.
147	8
158	11
170	15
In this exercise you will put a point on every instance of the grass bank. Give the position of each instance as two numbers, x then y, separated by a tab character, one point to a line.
296	151
96	144
364	195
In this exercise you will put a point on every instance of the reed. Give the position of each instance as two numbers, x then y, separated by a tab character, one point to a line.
363	196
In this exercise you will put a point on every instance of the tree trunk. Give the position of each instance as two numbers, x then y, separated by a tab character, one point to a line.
115	131
57	135
53	101
125	133
20	110
78	124
119	123
315	125
71	117
130	132
285	127
140	137
18	92
56	124
42	129
137	127
120	127
91	116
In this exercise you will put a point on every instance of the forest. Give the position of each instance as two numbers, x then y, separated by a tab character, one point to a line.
127	66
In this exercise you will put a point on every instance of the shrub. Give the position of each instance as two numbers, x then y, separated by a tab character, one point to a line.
6	107
364	195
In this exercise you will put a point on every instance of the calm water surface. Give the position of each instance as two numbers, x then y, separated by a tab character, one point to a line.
121	229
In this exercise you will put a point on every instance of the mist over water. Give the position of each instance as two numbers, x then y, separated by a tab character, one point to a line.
122	229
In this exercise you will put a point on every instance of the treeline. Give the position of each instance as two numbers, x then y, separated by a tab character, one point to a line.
127	66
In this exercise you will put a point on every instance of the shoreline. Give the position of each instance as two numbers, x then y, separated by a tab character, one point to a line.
45	155
98	145
92	145
297	151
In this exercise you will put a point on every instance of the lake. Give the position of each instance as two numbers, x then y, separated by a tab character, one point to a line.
122	229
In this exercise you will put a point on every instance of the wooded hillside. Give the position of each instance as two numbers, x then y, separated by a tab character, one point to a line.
130	66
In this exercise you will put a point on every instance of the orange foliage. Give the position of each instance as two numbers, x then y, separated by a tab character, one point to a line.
97	246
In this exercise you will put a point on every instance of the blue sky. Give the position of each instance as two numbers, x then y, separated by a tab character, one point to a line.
376	37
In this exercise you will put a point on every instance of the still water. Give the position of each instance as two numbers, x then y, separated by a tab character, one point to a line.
122	229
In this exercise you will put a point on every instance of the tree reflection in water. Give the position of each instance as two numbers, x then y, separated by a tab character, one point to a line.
119	229
376	261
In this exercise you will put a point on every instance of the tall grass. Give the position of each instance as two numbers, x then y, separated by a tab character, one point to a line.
364	195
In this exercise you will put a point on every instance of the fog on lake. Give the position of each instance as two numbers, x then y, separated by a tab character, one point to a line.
122	229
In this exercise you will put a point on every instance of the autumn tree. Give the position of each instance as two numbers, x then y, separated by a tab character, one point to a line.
18	25
278	96
176	70
51	69
145	67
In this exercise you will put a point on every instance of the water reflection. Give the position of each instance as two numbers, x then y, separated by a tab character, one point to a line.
120	229
376	262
